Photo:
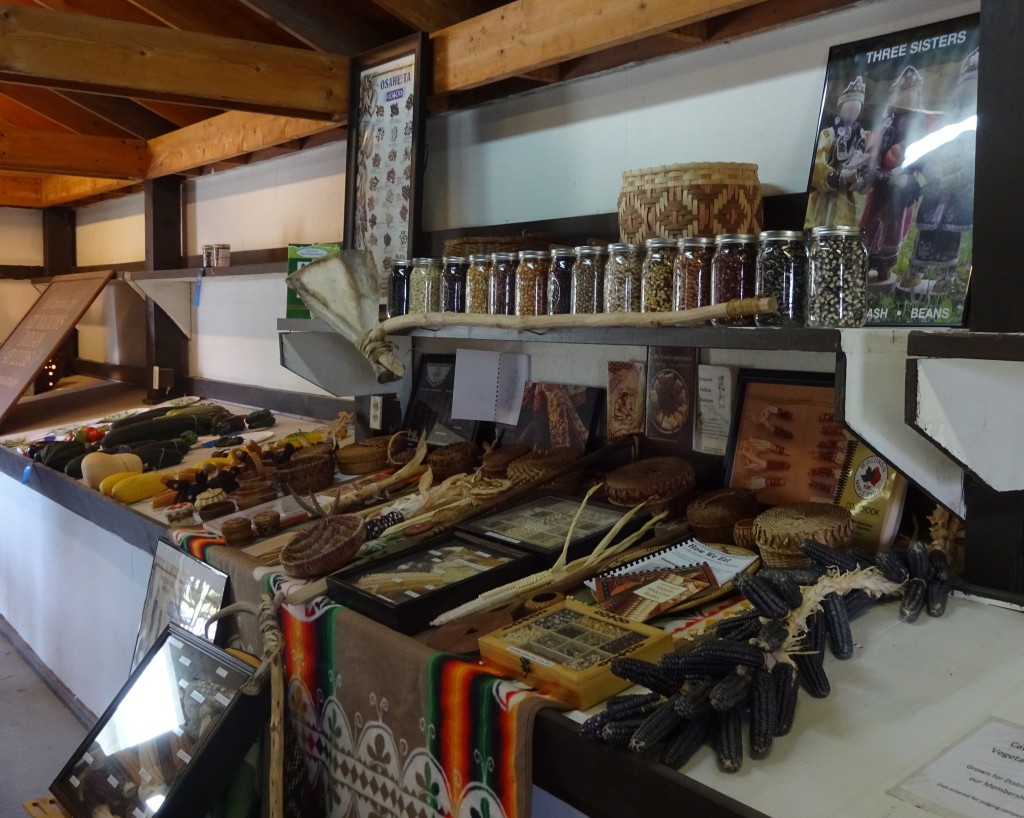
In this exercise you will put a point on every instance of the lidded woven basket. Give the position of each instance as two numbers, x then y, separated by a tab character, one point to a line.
779	531
467	245
695	199
310	469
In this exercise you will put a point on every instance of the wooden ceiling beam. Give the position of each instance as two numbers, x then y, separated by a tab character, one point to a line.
20	191
766	16
220	18
326	25
180	115
21	116
110	9
81	53
525	35
431	15
48	152
218	139
126	114
63	111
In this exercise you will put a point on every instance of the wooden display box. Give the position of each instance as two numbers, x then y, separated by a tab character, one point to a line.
566	651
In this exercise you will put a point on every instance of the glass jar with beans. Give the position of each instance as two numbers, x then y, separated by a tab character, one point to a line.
656	275
477	276
560	280
398	288
425	285
586	294
782	272
622	278
532	283
734	273
837	278
501	292
453	284
691	273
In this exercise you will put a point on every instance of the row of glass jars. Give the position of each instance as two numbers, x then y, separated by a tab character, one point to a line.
823	287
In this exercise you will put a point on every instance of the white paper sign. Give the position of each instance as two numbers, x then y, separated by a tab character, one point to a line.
489	385
714	408
981	776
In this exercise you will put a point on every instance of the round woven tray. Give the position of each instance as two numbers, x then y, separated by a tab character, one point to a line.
495	462
362	458
655	479
714	514
310	469
779	531
536	465
323	547
455	458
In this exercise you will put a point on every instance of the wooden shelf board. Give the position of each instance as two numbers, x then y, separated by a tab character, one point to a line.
987	346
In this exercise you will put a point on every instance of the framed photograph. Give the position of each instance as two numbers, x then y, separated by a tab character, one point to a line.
558	415
406	590
786	443
182	590
164	743
387	113
894	154
430	407
541	526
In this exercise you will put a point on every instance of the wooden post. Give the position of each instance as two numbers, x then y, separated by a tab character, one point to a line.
59	248
166	345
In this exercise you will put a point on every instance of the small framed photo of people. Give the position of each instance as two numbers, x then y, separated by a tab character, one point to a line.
894	155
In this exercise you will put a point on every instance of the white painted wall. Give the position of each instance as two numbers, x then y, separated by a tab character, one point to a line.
113	329
111	232
21	236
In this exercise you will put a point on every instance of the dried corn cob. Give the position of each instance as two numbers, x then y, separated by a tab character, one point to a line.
739	628
729	741
772	635
730	692
620	733
938	593
785	687
857	602
785	588
656	727
762	596
645	674
692	665
640	704
693	700
827	556
764	713
940	564
865	559
687	741
739	653
590	729
913	600
920	563
840	637
812	673
801	576
627	699
893	568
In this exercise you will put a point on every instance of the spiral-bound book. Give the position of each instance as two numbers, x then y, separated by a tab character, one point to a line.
687	554
489	385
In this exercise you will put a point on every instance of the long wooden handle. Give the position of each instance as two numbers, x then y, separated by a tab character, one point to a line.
736	308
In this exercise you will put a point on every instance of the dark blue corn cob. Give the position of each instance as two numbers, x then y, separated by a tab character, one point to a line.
827	556
645	674
656	727
687	741
913	599
812	673
620	733
590	729
858	601
919	561
764	713
729	741
940	565
692	665
807	575
864	558
785	587
772	635
893	567
735	626
739	653
785	685
624	700
840	637
938	593
730	692
762	596
693	699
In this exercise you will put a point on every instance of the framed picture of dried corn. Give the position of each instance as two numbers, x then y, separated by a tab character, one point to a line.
430	406
406	590
383	194
785	442
894	155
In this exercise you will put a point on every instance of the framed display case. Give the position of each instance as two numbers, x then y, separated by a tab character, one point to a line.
541	525
406	590
170	739
430	407
566	650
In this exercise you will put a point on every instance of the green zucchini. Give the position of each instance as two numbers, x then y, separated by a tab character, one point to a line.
59	453
140	417
159	457
165	428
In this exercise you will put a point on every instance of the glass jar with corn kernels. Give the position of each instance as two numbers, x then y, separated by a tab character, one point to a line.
501	284
733	273
477	274
425	285
837	278
622	278
587	288
656	275
560	280
691	273
782	273
453	284
532	283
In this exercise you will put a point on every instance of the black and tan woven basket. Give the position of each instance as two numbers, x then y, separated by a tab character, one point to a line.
310	469
467	245
697	199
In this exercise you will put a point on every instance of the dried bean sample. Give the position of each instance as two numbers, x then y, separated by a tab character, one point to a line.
453	284
733	273
532	283
477	277
586	294
501	298
425	285
782	272
691	273
837	281
560	281
656	275
622	276
398	288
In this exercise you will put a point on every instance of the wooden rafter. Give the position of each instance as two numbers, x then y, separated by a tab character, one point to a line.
222	19
21	191
431	15
82	53
21	116
63	111
48	152
180	115
126	114
326	25
110	9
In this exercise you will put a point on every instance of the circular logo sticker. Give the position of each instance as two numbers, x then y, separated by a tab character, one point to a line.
870	478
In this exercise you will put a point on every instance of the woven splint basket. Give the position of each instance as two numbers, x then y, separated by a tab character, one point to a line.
697	199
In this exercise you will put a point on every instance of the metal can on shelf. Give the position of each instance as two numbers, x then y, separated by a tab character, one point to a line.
691	273
837	278
425	285
622	278
586	294
532	283
560	280
398	288
209	257
501	284
478	273
782	272
656	275
222	255
453	284
733	273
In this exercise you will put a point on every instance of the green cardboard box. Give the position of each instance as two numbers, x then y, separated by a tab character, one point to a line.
299	255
